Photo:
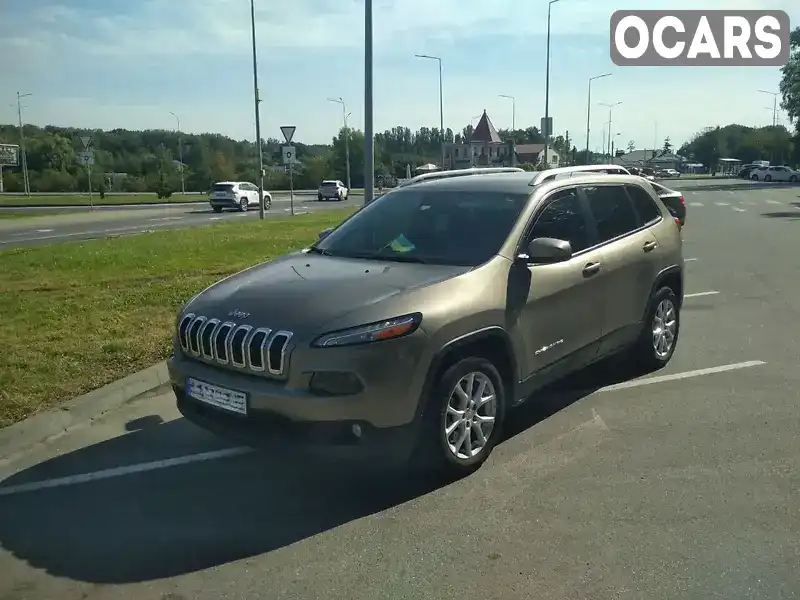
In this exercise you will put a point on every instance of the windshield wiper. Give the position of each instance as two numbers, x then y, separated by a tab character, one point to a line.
316	250
389	258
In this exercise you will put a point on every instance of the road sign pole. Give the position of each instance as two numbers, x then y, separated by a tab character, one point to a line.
1	179
89	175
291	186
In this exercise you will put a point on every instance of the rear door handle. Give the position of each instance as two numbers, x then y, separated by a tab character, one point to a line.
649	246
591	269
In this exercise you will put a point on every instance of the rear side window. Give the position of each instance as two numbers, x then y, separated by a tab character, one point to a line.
612	211
647	209
221	187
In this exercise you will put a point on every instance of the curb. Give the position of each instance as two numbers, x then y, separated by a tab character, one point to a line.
44	426
734	185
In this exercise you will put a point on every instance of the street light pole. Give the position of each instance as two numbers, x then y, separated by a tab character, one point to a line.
610	108
180	152
441	100
257	101
369	128
547	87
774	105
25	179
513	127
589	111
346	136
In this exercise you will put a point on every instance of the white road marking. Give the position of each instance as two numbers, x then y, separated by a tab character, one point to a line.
215	218
695	204
737	209
685	375
721	203
119	471
88	234
772	202
689	259
698	294
167	219
44	230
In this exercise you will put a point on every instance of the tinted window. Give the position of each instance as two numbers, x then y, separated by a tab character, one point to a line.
612	210
563	219
647	209
221	187
432	226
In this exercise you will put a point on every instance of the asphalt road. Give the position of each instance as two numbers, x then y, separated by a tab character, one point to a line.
34	231
679	485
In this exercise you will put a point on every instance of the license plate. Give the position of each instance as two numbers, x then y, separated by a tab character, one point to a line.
215	395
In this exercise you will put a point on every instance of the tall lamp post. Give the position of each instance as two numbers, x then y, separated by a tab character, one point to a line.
369	128
346	136
610	109
257	101
441	101
774	105
180	152
589	111
25	179
547	87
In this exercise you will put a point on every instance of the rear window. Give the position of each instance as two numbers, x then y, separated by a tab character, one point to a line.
221	187
330	183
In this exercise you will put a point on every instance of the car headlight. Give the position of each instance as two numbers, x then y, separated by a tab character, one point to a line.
388	329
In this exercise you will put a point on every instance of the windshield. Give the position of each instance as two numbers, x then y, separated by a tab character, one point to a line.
417	225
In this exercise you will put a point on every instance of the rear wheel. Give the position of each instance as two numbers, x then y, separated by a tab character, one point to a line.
217	209
464	418
659	338
768	178
793	178
754	177
243	204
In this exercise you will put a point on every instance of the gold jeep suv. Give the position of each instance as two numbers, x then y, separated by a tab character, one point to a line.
411	329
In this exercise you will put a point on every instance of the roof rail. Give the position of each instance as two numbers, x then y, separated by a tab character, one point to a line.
459	173
559	172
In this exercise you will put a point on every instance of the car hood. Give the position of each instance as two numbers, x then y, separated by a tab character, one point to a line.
304	291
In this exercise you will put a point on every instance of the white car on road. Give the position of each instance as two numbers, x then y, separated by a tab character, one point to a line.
240	195
332	189
775	174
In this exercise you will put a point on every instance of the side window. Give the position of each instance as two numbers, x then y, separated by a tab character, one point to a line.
647	209
612	211
563	219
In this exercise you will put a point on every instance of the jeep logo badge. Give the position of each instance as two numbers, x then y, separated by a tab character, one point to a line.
238	314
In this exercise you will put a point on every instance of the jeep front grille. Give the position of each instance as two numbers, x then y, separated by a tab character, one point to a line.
259	350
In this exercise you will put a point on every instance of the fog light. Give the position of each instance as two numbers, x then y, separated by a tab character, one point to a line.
335	383
357	430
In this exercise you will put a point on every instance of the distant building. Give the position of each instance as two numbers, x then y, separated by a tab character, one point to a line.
485	149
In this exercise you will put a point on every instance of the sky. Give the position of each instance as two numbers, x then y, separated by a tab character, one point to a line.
130	64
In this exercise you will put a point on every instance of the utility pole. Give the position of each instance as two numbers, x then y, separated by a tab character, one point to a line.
610	109
345	114
369	128
589	111
441	101
774	105
25	179
547	88
180	152
257	101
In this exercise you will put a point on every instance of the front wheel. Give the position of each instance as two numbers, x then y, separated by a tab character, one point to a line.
243	205
754	177
768	178
793	178
267	203
659	338
464	418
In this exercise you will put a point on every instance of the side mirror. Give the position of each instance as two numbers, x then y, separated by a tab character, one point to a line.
325	233
548	250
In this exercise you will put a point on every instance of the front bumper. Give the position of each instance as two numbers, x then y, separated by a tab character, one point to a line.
378	424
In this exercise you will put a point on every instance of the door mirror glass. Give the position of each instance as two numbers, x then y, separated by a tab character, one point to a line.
548	250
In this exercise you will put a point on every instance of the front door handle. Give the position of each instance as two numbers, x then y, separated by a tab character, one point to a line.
649	246
591	269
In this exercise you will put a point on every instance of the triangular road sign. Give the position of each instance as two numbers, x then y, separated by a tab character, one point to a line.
288	132
86	140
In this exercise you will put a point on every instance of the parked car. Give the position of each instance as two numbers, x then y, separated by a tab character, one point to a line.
674	201
775	174
747	170
332	190
409	331
240	195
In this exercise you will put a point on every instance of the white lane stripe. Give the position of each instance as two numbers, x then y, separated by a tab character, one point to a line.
695	204
772	202
167	219
43	230
99	233
689	259
119	471
698	294
721	203
739	209
685	375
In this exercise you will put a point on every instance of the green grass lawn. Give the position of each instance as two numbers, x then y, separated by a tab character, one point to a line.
79	315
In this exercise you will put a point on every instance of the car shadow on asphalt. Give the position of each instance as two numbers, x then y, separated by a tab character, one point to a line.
171	521
793	215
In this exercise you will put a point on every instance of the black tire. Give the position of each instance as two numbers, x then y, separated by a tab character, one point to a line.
244	204
319	197
793	178
754	177
644	352
267	203
217	209
432	449
768	178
